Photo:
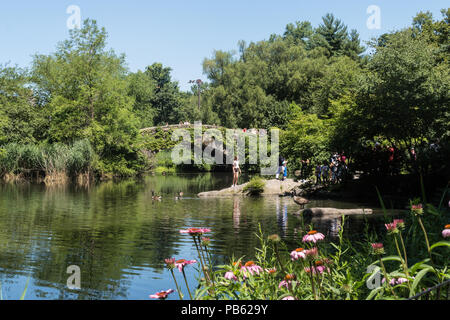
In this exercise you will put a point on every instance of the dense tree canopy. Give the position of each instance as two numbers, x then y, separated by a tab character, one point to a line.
304	65
318	84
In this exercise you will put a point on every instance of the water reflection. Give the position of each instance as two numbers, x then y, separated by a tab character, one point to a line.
236	213
120	237
282	217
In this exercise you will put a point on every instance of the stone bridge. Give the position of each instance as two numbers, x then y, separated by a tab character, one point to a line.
188	126
177	126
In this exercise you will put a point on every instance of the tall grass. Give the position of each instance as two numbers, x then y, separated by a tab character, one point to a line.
50	162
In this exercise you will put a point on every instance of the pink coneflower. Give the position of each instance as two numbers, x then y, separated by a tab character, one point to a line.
288	298
378	248
298	253
446	231
401	280
206	241
391	282
391	227
162	295
271	270
196	231
417	209
400	223
395	281
308	269
170	262
251	268
319	269
287	281
284	284
180	264
322	269
312	253
230	276
313	236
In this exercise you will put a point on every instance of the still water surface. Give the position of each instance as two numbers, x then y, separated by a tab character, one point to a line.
119	236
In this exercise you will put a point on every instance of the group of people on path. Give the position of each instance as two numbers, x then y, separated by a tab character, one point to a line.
333	171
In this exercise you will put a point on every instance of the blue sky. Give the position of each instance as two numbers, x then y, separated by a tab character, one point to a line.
181	33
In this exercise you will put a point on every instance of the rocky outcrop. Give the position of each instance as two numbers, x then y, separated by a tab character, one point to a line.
307	189
272	187
333	212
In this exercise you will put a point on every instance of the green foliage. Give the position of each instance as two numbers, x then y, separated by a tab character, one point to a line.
48	158
82	87
305	66
255	186
313	83
306	137
20	117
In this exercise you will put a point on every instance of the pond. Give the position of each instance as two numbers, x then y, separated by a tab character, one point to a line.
119	236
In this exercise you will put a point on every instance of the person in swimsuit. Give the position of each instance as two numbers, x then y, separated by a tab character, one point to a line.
236	171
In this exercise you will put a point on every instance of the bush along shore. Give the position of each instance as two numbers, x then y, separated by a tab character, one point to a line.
408	258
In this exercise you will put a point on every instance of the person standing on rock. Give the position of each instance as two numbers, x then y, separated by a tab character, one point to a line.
280	167
284	170
236	171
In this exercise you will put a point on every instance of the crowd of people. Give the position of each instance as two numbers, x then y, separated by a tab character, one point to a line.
333	171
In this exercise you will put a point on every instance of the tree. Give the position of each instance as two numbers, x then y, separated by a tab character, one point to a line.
143	89
166	101
306	137
84	90
20	117
215	68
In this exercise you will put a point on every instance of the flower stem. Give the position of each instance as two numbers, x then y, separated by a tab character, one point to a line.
201	260
312	280
426	238
319	283
278	257
187	286
178	288
403	261
207	253
404	248
387	278
428	248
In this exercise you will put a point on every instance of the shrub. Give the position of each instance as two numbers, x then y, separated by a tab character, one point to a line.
255	187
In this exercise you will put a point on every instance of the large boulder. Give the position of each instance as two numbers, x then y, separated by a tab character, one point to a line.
272	187
333	212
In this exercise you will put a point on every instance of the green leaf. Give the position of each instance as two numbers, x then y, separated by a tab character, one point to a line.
389	258
373	293
417	279
440	244
419	265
